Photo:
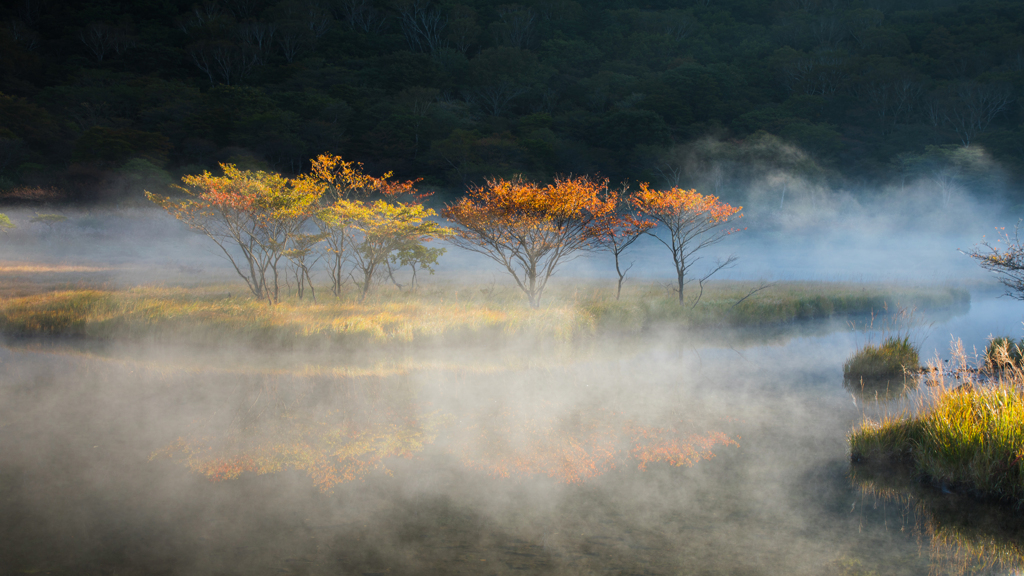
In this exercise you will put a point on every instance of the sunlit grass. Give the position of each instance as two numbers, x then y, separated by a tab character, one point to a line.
893	357
969	436
441	313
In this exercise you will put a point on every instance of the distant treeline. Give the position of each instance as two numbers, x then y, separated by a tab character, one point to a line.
102	98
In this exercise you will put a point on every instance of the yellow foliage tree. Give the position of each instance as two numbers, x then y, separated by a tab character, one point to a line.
251	216
379	230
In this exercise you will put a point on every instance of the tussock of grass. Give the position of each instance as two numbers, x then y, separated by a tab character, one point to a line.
893	357
971	435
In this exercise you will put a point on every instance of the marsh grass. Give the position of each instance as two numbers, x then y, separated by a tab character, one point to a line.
439	313
895	356
723	304
1003	352
967	436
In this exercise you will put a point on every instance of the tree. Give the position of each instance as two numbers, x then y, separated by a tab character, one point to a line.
253	217
531	229
1007	264
345	180
379	230
692	221
5	223
621	232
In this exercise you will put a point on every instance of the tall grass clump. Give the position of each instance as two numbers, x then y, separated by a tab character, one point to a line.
969	436
1002	352
895	356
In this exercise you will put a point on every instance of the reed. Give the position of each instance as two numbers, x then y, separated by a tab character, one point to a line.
965	433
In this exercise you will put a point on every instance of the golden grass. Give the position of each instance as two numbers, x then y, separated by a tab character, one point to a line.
968	435
441	313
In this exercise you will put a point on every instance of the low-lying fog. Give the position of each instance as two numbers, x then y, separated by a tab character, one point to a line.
652	455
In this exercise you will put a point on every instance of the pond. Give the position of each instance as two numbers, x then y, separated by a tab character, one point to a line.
665	453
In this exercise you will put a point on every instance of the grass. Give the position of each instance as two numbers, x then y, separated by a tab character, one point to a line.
969	436
893	357
651	305
1003	352
438	313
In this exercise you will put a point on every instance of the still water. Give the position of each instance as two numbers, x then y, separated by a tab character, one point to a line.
666	453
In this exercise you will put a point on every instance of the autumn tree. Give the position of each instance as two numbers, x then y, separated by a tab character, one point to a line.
347	184
253	217
531	229
691	221
622	229
379	230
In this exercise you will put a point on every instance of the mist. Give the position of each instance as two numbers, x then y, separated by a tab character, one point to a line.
655	453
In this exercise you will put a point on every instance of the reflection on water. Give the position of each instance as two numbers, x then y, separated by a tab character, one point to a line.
881	389
340	429
962	535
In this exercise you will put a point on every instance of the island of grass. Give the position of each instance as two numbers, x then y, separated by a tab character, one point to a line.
967	438
437	312
894	357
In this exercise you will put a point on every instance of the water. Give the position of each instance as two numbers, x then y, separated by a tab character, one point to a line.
520	459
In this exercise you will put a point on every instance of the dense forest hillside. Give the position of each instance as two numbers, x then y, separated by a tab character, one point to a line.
100	97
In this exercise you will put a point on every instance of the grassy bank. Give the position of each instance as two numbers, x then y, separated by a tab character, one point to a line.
721	305
443	313
967	435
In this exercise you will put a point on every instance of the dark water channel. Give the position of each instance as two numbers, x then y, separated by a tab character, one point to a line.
655	455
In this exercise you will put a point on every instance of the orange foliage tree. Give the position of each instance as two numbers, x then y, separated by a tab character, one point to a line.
692	222
622	231
531	229
253	217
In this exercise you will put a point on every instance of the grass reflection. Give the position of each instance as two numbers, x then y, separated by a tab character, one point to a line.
962	536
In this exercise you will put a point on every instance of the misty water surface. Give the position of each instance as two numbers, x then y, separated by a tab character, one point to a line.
520	458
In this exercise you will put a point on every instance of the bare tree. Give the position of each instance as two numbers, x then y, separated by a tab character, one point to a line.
257	40
496	98
362	15
894	99
1007	264
463	31
317	18
244	9
423	25
31	10
517	25
221	60
101	39
291	39
22	34
822	73
829	30
972	107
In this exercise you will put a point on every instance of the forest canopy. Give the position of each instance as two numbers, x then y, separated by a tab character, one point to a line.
93	94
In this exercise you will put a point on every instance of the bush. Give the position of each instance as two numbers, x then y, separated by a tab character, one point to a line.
892	358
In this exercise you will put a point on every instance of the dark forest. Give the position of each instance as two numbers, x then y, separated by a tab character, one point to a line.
101	99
